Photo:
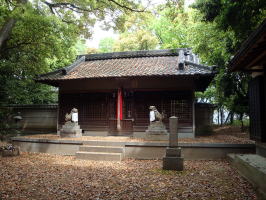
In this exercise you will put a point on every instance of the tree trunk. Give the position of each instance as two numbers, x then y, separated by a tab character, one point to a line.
221	113
218	116
242	123
6	30
232	118
228	117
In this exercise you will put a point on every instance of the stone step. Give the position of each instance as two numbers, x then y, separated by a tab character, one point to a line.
103	143
107	149
99	156
95	133
185	130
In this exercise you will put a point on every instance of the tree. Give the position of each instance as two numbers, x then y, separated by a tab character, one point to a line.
136	33
171	25
82	13
106	45
136	40
40	36
235	20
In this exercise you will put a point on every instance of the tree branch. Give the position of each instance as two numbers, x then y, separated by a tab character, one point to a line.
75	8
66	5
126	7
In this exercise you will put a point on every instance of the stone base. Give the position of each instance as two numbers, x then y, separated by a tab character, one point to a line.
71	129
173	159
156	131
173	163
156	128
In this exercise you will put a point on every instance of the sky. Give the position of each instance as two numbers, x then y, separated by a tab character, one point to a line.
99	33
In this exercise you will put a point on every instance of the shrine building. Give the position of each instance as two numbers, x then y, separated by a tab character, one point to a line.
113	91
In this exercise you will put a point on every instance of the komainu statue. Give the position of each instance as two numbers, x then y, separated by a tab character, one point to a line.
156	126
155	115
72	116
71	127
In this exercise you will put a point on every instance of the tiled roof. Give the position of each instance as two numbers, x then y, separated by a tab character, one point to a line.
127	64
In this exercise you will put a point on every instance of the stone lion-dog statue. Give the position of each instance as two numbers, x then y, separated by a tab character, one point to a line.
68	117
157	115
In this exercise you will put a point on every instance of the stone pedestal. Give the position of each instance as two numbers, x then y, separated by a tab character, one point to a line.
156	131
71	129
173	159
156	128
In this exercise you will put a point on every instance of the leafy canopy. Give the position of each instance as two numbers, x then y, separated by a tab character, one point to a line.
39	36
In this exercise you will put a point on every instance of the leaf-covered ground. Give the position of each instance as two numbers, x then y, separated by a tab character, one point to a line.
44	176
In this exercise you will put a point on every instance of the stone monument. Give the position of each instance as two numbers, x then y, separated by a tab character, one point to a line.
71	127
173	159
156	130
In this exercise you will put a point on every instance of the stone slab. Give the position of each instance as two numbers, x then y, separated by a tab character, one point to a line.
95	133
99	156
261	149
253	168
107	149
173	163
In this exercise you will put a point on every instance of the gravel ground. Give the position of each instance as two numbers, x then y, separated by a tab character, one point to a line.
45	176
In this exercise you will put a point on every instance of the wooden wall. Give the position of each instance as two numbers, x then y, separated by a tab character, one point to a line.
257	108
97	111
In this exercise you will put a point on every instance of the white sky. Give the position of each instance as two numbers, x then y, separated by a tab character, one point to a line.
99	34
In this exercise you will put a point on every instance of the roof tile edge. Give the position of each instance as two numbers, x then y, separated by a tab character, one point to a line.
133	54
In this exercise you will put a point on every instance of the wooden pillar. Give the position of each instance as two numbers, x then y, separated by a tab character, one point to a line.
193	113
58	112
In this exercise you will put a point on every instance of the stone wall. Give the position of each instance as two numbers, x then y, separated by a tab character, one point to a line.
37	118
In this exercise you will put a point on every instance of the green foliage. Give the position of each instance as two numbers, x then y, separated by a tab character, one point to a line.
136	34
231	22
106	45
239	16
136	40
81	46
38	44
239	123
45	37
171	26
